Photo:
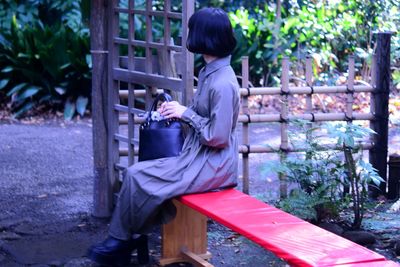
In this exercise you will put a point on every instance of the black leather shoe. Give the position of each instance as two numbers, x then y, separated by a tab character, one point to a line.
141	244
112	252
115	252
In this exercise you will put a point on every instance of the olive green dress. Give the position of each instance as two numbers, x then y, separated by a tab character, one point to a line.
209	158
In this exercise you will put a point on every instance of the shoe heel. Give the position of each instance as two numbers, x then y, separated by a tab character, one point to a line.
123	260
143	250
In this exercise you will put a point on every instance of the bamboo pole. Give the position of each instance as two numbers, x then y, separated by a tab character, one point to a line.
378	155
373	82
306	90
309	82
284	122
350	91
276	90
244	149
365	145
260	118
349	112
245	125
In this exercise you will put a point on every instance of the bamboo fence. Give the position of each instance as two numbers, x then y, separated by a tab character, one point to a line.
283	117
130	78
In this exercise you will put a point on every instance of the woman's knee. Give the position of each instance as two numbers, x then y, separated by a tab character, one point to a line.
133	169
130	173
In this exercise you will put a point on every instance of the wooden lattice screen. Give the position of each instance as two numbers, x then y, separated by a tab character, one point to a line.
144	56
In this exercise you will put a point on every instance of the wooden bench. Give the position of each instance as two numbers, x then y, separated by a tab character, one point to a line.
297	242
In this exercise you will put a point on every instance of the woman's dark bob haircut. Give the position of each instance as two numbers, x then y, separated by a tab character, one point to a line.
210	33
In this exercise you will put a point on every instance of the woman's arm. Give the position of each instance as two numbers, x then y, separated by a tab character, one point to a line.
215	131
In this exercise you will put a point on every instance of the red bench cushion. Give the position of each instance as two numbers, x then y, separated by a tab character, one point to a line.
290	238
373	264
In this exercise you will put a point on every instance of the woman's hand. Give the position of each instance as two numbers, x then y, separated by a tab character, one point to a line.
172	110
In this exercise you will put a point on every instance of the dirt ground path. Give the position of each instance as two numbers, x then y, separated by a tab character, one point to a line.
46	196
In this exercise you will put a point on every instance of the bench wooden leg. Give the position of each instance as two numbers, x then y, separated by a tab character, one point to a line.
185	238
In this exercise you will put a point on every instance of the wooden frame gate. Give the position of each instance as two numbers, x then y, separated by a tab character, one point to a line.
138	65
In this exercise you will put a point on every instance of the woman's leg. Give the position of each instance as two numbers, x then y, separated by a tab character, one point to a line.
117	248
120	226
141	205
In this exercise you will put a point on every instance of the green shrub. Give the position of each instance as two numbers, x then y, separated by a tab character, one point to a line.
327	31
45	64
327	181
45	57
316	173
359	173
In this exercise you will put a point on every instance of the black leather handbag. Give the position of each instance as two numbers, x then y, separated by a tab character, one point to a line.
160	138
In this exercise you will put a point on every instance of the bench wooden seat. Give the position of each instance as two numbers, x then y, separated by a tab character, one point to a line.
296	241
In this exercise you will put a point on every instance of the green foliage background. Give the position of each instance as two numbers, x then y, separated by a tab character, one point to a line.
45	54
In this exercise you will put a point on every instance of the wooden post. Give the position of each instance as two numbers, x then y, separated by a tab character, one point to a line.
131	87
113	99
394	177
99	50
245	125
187	57
378	155
188	231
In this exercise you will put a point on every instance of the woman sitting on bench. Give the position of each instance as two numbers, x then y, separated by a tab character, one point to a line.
209	158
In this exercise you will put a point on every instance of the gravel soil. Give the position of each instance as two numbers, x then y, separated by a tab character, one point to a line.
46	191
46	200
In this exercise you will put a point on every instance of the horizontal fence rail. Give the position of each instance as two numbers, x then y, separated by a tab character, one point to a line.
254	118
258	148
277	90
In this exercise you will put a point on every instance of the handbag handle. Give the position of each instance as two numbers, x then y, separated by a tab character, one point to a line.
160	96
166	97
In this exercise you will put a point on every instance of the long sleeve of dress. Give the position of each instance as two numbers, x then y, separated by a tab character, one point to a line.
214	131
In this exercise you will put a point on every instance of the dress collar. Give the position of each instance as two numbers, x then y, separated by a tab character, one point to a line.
216	65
